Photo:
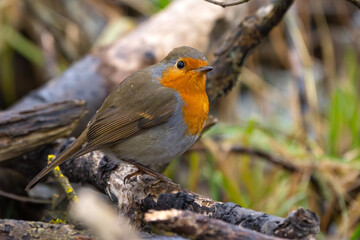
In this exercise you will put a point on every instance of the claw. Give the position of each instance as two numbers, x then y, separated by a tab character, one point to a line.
127	177
145	170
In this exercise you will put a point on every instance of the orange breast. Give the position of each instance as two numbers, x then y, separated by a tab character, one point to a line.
191	87
195	112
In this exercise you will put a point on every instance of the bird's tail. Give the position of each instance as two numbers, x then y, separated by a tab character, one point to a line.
73	151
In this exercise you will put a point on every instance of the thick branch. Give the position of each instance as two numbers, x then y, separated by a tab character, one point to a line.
197	226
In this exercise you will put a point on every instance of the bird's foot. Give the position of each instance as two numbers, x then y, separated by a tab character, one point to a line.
144	170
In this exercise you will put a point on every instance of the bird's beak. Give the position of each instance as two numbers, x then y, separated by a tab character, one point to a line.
204	69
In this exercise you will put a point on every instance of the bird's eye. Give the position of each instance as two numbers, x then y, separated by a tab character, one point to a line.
180	64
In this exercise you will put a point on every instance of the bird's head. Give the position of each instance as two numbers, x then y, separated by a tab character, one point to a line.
184	69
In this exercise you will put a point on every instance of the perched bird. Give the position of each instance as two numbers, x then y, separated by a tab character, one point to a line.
151	117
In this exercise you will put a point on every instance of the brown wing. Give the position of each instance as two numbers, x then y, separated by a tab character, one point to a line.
134	106
112	127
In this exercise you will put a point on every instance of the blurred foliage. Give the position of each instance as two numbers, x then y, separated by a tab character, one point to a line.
343	113
297	101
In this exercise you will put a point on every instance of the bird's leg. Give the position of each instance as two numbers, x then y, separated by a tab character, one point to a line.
145	170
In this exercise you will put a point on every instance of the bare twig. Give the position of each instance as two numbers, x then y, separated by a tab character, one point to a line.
270	158
223	4
23	198
285	164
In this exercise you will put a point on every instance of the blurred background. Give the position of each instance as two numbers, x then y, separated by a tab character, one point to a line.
288	133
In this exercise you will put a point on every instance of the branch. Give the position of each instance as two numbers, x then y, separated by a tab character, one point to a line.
223	4
285	164
247	36
270	158
24	199
196	226
18	229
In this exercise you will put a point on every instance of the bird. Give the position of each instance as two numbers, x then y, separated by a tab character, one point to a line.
151	117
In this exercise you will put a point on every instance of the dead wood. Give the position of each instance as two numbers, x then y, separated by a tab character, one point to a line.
231	56
197	226
18	229
23	131
142	193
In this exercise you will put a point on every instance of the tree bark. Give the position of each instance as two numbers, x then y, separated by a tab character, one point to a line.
196	226
18	229
24	131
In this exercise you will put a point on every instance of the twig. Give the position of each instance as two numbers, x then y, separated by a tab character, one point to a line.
273	159
223	4
355	2
64	181
291	167
23	198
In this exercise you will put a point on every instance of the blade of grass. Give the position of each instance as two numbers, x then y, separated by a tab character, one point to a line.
21	44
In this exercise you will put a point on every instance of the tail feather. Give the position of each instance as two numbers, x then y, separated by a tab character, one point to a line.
74	150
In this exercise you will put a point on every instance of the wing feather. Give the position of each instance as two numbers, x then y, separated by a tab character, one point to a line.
111	127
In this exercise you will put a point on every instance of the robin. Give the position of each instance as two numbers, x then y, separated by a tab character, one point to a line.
151	117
